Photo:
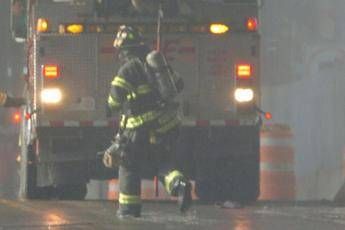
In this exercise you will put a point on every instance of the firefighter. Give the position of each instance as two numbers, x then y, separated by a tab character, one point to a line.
148	129
8	101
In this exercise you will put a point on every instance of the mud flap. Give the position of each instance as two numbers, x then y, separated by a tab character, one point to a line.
227	164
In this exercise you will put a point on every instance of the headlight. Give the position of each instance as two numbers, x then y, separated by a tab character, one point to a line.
51	96
244	95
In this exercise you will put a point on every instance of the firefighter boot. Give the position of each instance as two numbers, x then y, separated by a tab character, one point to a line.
184	196
133	211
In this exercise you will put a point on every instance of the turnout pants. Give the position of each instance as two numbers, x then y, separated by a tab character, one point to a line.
149	155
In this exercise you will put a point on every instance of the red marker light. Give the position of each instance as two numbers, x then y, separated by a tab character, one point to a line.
50	71
27	116
252	24
268	116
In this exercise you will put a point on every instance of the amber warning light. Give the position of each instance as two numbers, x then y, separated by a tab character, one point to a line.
75	28
218	28
243	71
50	71
42	25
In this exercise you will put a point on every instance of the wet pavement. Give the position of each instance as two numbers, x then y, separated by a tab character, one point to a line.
28	215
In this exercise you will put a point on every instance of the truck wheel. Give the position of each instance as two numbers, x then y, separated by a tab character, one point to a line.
203	191
205	182
71	192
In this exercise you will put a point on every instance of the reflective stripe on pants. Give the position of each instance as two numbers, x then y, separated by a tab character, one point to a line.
129	199
170	179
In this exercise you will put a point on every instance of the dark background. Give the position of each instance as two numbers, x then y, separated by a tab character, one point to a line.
11	69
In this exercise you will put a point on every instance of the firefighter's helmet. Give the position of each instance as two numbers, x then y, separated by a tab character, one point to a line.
128	36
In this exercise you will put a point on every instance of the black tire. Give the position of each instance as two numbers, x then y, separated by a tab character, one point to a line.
71	192
205	183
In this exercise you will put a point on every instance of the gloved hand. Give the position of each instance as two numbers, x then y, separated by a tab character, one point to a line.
110	160
113	155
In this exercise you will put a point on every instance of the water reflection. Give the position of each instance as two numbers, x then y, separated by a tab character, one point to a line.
55	219
242	222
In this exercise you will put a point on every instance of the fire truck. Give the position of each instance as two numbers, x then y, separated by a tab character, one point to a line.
215	48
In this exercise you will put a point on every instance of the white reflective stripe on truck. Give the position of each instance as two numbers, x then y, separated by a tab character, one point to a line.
114	123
